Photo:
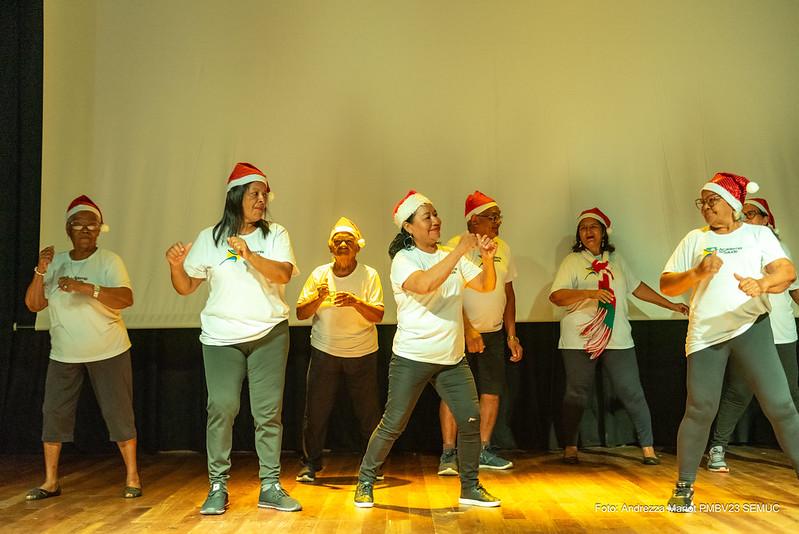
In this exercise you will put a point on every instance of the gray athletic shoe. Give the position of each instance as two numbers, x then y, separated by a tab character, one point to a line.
478	496
448	464
364	495
682	498
489	460
217	501
274	496
715	460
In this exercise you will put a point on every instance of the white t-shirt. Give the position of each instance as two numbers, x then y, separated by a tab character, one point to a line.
486	310
83	329
719	310
783	323
343	331
575	272
430	327
243	305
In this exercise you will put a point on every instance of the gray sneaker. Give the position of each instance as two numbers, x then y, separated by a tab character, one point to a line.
489	460
715	460
682	498
274	496
478	496
217	501
364	495
448	464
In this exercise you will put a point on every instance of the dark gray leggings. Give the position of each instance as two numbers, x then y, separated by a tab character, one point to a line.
736	395
754	354
622	368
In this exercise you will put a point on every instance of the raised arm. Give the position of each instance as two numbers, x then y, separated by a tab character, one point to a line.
181	281
427	281
34	295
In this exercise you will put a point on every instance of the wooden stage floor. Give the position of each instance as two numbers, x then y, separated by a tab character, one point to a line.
539	495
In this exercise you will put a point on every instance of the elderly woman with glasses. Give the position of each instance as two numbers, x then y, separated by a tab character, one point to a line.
730	268
85	289
593	283
736	393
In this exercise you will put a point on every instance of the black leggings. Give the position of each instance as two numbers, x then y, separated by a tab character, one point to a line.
622	368
754	354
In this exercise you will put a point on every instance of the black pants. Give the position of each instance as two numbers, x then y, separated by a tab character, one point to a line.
324	373
622	368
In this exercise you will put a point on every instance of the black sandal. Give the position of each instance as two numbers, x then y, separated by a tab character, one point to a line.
37	494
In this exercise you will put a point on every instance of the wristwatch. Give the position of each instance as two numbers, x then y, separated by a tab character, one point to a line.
96	292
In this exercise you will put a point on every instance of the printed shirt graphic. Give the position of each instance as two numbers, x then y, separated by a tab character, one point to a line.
719	310
430	326
343	331
485	310
243	305
82	329
576	272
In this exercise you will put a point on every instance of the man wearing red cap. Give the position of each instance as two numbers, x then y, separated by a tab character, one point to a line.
489	321
736	394
85	290
730	269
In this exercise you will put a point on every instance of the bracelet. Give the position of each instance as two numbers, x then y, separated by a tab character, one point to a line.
513	338
96	291
36	270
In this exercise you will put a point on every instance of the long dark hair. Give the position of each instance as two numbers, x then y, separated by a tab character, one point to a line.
403	240
233	216
604	244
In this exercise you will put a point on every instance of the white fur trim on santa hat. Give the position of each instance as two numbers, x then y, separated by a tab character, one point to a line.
728	197
608	229
86	207
409	207
480	209
249	178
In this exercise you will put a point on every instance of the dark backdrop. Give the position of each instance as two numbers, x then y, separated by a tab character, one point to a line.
168	378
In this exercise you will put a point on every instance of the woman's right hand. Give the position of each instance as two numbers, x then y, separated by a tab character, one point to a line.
176	254
45	257
603	295
467	242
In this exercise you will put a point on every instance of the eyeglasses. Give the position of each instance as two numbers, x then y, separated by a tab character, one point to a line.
751	214
80	227
493	217
709	201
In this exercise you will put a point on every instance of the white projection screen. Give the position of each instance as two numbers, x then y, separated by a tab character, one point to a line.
549	106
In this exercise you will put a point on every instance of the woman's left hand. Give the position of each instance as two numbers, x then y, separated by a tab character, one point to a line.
239	246
487	246
70	285
679	307
343	299
751	286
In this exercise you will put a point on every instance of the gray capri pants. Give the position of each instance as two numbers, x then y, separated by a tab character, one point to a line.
112	381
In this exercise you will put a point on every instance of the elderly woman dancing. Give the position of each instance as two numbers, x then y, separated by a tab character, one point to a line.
593	283
730	268
85	290
428	283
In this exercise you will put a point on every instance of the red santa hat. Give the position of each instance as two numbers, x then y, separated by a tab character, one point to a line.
408	205
245	173
762	205
477	203
345	225
732	188
597	214
84	203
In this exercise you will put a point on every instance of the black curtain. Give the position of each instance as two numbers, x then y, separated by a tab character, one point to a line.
21	58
